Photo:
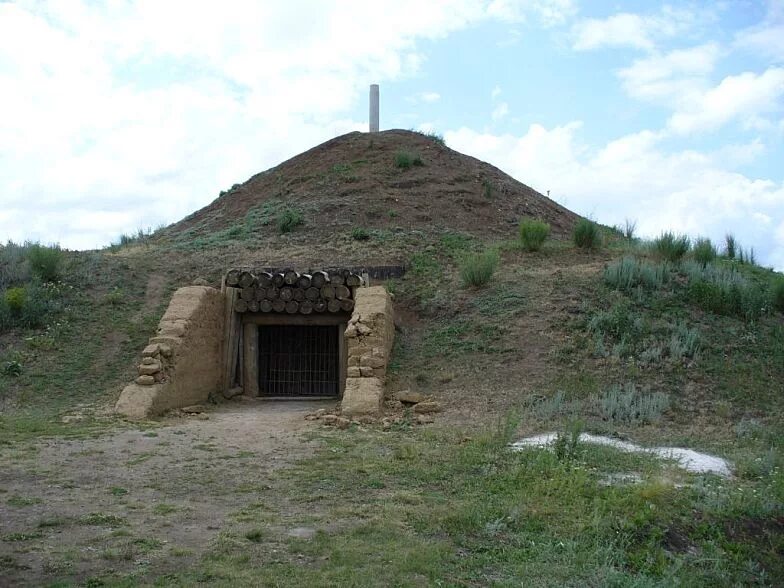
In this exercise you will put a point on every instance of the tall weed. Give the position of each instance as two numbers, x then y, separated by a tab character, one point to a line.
477	268
630	273
586	235
777	294
627	404
533	234
671	247
704	251
45	261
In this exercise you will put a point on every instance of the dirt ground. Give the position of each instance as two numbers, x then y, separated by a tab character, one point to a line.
149	499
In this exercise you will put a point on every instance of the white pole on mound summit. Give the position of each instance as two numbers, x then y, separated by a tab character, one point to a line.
373	108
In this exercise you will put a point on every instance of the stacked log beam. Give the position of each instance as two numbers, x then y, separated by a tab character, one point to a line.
291	292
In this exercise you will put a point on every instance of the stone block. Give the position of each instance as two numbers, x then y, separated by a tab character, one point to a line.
149	369
366	372
353	360
145	380
353	372
371	361
427	407
362	396
151	350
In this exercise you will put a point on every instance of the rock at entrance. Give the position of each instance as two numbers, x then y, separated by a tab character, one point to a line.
149	369
409	397
145	380
427	407
362	396
193	409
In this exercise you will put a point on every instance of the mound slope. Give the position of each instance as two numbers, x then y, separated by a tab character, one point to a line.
352	181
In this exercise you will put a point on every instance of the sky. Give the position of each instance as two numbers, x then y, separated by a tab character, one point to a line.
122	115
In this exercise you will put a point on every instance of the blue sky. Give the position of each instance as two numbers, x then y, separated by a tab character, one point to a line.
124	115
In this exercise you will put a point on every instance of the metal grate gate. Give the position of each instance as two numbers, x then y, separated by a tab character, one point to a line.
298	360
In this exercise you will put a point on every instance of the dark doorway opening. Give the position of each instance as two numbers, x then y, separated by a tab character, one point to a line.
299	360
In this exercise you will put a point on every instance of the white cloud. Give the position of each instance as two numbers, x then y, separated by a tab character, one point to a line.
430	97
633	177
548	12
745	96
670	76
125	115
625	29
500	112
767	37
496	92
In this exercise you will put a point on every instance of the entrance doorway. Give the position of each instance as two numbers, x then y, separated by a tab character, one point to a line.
299	360
294	356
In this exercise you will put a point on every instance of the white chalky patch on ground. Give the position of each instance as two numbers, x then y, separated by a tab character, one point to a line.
688	459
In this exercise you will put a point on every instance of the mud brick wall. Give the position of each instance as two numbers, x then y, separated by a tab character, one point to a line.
370	336
182	364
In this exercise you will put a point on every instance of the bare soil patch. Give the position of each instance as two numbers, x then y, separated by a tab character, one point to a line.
144	500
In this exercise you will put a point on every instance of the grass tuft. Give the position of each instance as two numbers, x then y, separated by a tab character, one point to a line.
628	404
477	268
289	219
777	294
671	247
630	273
45	261
704	251
533	234
730	246
586	235
407	159
360	234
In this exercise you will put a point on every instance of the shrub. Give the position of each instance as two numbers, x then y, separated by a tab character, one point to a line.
777	294
360	234
533	234
45	261
14	267
629	273
11	368
704	251
477	268
629	405
289	219
619	322
725	292
15	299
407	159
730	246
671	247
684	342
586	234
436	138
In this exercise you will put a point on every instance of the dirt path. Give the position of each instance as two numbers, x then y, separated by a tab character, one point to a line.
140	500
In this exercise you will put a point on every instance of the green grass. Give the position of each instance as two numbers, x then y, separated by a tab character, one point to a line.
533	234
630	273
438	509
671	247
289	219
360	234
587	235
777	293
477	269
407	159
704	251
46	261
